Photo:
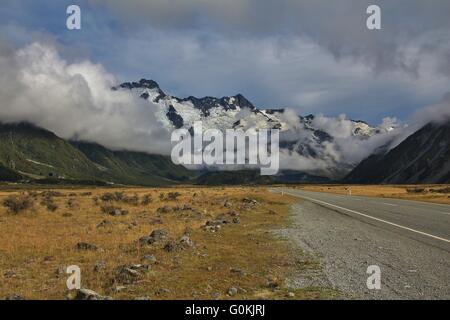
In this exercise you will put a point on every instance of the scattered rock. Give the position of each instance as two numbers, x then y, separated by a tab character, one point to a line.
119	288
238	271
162	291
232	291
216	222
145	298
291	295
221	219
186	242
248	204
233	213
87	294
212	229
9	274
216	295
129	274
227	204
155	236
114	211
150	258
250	201
86	246
14	297
215	225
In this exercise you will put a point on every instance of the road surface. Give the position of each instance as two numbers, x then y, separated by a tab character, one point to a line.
408	240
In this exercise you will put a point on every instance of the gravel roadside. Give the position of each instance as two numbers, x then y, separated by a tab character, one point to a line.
345	247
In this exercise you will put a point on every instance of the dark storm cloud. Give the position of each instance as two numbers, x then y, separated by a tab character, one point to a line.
315	56
340	26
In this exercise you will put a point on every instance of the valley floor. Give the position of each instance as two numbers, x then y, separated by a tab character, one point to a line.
139	243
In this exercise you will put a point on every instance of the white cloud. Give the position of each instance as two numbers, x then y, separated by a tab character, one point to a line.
75	100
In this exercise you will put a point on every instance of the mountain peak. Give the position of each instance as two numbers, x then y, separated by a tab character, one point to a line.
142	84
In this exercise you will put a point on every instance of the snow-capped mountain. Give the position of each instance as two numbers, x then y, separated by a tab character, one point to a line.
307	137
223	113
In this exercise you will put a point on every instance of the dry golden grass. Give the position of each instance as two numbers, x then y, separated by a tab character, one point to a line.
36	242
428	193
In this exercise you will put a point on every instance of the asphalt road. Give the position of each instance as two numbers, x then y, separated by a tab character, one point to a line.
408	240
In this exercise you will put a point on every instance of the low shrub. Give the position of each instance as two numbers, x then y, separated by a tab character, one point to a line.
16	204
146	200
171	196
415	190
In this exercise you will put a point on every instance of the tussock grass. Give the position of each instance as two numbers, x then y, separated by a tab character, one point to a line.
17	204
37	245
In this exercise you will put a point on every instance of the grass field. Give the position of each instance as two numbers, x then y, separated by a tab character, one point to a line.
427	193
213	243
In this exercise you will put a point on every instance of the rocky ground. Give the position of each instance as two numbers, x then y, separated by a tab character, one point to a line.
174	243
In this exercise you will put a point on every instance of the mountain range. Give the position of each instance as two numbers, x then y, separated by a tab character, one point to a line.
299	135
30	153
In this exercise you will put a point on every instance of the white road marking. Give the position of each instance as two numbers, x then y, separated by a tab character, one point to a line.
406	203
389	204
370	217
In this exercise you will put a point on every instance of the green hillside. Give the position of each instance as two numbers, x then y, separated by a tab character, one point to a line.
37	153
31	153
134	167
7	174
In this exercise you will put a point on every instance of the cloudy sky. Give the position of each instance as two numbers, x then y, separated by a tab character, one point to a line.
315	56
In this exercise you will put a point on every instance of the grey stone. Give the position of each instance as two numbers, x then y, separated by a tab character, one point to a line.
150	258
86	246
87	294
232	291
